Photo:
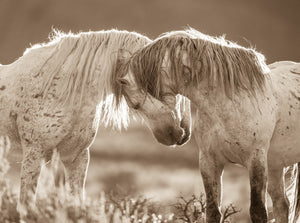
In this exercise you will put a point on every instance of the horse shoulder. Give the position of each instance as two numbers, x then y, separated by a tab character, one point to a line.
234	128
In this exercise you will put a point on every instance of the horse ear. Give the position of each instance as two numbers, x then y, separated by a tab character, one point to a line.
122	81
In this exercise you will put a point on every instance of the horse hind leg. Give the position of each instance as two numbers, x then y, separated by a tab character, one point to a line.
276	190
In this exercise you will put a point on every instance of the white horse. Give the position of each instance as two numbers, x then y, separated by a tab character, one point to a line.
246	113
54	96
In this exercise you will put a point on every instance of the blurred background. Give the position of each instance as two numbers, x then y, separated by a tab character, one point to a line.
131	162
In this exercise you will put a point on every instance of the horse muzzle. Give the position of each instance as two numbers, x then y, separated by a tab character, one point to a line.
171	136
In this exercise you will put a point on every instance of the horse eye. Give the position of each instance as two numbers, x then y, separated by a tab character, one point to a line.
137	106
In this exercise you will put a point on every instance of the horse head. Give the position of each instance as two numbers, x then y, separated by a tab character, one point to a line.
168	117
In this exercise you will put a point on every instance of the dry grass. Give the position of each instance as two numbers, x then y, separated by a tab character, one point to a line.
54	203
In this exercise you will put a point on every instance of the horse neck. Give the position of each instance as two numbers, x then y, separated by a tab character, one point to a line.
196	94
215	105
207	100
105	82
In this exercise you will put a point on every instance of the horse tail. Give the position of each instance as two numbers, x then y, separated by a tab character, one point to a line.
297	204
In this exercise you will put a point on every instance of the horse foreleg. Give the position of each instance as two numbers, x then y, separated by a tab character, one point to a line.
277	193
211	175
30	170
76	171
258	181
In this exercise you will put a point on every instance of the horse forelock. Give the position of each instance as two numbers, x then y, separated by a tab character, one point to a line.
88	61
146	66
224	64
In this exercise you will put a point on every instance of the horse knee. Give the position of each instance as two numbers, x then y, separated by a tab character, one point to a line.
30	169
29	178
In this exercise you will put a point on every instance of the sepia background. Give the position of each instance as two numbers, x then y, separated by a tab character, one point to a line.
131	162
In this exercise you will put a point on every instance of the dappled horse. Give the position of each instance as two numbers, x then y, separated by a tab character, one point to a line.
247	113
55	95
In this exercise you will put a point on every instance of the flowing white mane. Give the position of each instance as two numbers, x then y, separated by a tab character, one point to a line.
87	61
224	64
